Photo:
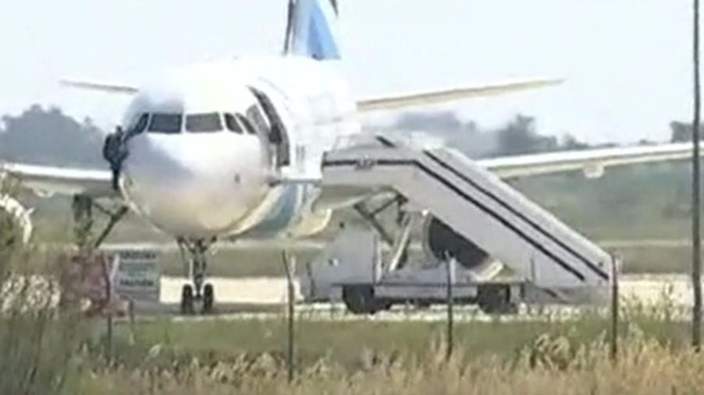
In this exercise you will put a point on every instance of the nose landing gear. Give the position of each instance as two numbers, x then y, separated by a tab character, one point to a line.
195	267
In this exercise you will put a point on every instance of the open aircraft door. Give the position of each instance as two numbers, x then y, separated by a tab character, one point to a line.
278	135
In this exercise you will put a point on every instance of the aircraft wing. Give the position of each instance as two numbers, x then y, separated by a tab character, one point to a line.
101	87
448	95
47	180
592	162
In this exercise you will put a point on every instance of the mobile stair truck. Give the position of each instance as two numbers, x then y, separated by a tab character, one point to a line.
466	213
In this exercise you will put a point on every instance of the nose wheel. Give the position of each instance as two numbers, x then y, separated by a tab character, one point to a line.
187	305
189	299
199	292
208	298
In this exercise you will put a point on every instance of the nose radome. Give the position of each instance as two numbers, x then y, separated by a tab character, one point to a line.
197	188
223	193
209	205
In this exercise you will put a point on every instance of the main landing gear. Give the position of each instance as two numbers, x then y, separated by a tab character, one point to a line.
195	267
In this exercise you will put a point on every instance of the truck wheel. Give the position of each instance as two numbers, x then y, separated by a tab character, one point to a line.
359	299
496	300
208	298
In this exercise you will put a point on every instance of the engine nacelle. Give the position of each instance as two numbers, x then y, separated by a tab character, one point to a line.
438	239
19	214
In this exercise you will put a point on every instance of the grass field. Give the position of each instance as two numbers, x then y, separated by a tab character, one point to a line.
347	343
267	262
45	353
390	358
631	203
49	351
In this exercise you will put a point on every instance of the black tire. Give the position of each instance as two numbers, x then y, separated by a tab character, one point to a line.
359	299
496	300
187	300
208	298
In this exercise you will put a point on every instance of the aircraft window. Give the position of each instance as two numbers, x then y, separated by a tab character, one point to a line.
139	125
255	115
165	123
209	122
232	125
247	124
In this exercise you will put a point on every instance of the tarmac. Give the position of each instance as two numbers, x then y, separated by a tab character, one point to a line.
265	298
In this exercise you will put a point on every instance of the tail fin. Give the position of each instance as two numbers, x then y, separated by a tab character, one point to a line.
312	29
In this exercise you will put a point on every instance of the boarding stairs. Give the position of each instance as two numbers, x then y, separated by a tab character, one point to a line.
480	207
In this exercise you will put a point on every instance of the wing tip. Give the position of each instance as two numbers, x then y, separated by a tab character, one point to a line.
101	87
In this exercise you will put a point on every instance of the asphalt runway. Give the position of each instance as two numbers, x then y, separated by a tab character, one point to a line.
262	297
320	244
272	291
265	298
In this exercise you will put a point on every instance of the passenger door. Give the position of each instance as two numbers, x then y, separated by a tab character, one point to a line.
278	135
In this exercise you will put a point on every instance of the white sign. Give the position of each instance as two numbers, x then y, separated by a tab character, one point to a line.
136	275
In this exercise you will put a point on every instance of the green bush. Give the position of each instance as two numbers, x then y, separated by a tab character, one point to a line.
37	342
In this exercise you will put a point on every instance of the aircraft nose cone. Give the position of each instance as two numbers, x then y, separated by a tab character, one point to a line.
197	187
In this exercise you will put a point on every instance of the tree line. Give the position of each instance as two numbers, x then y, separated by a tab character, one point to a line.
48	136
517	136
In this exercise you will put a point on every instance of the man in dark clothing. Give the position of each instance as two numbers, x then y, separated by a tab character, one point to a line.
115	152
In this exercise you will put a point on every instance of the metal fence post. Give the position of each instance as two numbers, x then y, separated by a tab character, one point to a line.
290	268
696	190
614	310
450	265
132	319
108	289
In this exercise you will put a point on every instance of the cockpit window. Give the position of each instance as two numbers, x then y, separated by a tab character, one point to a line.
165	123
247	124
232	125
208	122
139	125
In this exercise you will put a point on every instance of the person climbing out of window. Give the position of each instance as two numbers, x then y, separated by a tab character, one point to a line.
115	152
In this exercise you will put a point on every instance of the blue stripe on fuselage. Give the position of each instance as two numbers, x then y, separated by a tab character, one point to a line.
285	211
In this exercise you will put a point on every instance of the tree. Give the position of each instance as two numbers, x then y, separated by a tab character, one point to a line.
517	137
50	137
680	132
520	137
465	136
570	143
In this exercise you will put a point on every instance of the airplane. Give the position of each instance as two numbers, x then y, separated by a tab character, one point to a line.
225	149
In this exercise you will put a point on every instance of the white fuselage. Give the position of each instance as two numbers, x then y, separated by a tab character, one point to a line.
201	183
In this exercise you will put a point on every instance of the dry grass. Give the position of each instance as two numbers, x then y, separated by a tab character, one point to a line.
36	343
549	365
221	357
45	351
